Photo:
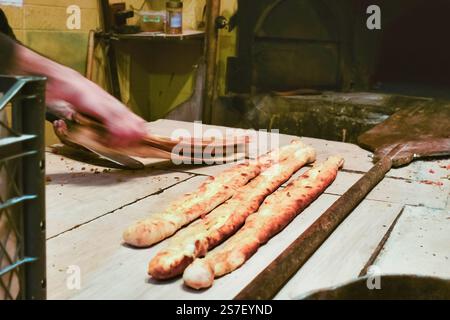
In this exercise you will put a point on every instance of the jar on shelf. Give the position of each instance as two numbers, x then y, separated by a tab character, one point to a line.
174	17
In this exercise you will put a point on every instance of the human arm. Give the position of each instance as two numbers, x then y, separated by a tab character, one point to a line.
65	84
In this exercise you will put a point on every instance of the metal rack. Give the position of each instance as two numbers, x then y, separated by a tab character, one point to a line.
22	189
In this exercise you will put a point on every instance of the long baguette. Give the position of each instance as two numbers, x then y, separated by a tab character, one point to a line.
277	211
196	239
213	192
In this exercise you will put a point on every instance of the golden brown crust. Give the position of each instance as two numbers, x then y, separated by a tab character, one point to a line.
213	192
195	240
277	211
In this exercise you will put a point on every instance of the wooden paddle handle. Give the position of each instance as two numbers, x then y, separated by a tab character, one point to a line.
270	281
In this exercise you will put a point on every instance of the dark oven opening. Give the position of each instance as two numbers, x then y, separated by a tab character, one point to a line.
313	67
414	55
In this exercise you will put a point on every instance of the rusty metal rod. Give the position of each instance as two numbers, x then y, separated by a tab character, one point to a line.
270	281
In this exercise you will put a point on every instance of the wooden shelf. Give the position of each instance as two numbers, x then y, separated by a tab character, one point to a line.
186	35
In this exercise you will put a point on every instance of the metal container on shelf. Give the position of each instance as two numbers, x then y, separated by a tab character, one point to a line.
152	21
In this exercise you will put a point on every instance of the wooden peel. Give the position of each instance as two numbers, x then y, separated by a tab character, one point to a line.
422	132
408	135
91	134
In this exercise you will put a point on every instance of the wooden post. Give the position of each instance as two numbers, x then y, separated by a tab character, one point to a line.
211	47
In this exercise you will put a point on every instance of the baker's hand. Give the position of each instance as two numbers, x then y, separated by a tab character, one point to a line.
125	128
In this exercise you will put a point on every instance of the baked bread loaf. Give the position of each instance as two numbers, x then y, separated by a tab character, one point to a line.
277	211
196	239
213	192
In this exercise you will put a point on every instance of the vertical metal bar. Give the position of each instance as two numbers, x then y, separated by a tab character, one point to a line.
211	46
16	124
31	115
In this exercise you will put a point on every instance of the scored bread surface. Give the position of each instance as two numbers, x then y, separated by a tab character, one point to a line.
213	192
277	211
202	235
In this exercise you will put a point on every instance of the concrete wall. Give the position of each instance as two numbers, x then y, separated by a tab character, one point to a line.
41	25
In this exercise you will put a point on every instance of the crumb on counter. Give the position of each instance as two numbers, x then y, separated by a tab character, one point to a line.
434	183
